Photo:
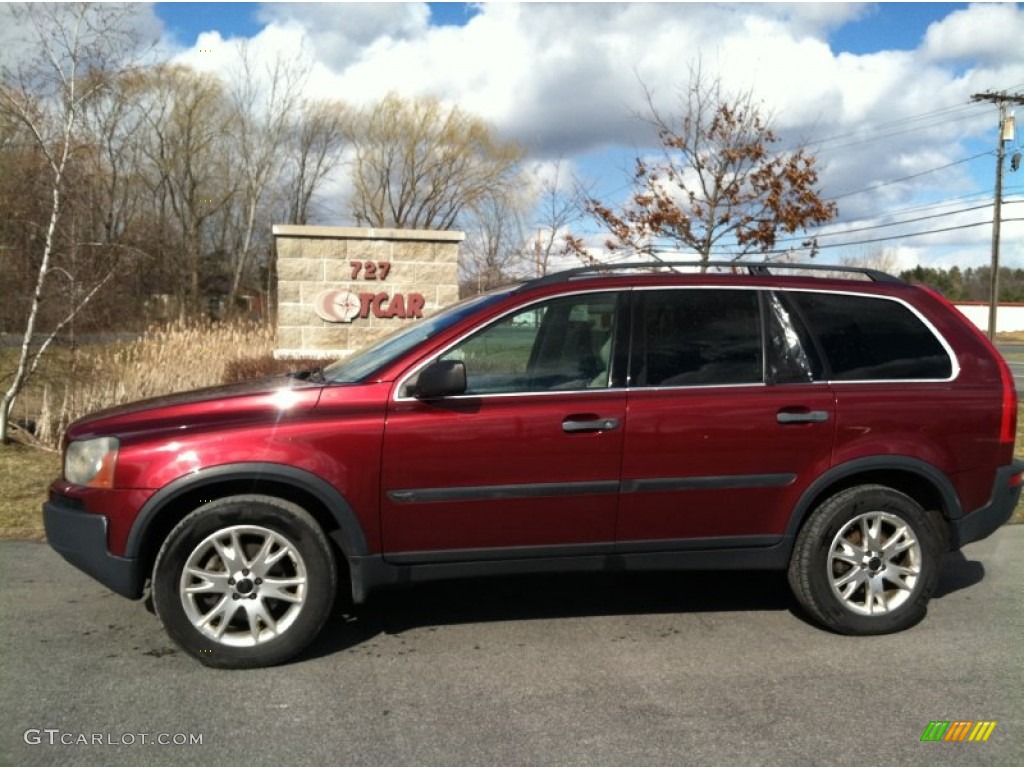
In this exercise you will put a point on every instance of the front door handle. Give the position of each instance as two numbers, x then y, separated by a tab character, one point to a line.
801	417
589	425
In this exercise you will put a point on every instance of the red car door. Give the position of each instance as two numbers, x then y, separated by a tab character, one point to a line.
721	439
526	461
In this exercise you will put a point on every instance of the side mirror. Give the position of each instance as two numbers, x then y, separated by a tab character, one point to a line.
443	378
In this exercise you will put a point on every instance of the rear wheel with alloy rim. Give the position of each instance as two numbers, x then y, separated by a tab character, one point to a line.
866	562
244	581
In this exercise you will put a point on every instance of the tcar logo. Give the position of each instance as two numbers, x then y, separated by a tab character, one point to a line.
341	306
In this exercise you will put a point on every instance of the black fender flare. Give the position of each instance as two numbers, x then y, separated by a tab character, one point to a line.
350	537
950	501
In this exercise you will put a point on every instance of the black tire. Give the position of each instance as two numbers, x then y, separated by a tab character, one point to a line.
866	562
268	584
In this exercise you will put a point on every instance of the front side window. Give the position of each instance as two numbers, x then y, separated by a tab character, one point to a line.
561	344
689	337
866	338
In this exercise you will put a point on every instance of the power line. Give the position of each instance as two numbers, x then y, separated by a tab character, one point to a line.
880	136
908	178
889	224
900	236
876	132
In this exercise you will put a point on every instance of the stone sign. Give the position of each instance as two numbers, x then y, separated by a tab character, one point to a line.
341	288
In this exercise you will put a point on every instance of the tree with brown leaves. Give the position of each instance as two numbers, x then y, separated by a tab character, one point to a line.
718	185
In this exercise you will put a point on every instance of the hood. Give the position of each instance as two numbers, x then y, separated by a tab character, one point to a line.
277	397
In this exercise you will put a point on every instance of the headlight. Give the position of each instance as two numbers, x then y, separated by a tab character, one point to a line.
91	462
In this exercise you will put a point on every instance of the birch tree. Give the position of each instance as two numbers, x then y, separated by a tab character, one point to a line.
78	47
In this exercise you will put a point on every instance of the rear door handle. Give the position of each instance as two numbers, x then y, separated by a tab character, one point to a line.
801	417
589	425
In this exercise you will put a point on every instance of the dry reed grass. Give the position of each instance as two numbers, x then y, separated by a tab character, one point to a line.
173	358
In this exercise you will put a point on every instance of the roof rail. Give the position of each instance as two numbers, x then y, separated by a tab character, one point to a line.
752	268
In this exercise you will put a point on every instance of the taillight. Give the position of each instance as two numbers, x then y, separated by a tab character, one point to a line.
1008	423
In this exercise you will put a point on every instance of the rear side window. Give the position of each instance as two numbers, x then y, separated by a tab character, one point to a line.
689	337
865	338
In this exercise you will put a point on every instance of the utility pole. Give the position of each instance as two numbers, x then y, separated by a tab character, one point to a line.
1001	100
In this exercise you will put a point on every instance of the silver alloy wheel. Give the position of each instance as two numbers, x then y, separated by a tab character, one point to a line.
243	586
874	563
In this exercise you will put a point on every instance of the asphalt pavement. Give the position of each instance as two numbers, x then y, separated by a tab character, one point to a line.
646	669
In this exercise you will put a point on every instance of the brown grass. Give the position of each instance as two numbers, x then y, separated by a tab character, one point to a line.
168	359
25	474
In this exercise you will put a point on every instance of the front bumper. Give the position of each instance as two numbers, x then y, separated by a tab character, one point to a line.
81	538
984	521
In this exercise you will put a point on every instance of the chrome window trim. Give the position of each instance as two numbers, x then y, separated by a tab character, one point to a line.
398	398
954	362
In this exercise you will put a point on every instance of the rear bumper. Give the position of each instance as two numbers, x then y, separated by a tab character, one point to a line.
984	521
81	538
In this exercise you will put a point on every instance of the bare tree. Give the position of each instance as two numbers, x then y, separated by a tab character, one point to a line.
559	207
314	151
419	165
79	46
190	173
493	252
263	107
718	182
882	259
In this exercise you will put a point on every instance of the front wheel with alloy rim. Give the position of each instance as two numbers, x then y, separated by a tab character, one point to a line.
244	581
866	562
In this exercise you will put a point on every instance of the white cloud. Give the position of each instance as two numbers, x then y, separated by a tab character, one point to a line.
988	33
564	80
340	32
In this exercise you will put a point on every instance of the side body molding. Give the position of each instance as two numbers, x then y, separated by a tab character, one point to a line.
350	537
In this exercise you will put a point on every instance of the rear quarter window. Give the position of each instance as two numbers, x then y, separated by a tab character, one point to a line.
866	338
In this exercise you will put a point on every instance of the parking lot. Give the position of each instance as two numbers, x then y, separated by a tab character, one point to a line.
644	669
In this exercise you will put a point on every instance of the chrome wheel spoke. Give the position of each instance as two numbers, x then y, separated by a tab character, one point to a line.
210	582
288	590
899	542
259	617
898	575
848	552
854	577
230	555
222	612
258	564
875	595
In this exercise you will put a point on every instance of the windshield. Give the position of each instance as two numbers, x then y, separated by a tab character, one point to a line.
362	364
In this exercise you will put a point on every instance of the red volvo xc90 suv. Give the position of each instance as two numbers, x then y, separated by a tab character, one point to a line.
838	424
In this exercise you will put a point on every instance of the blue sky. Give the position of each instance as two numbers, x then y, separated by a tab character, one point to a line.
885	26
881	92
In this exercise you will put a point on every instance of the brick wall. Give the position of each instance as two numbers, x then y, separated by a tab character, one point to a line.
364	280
